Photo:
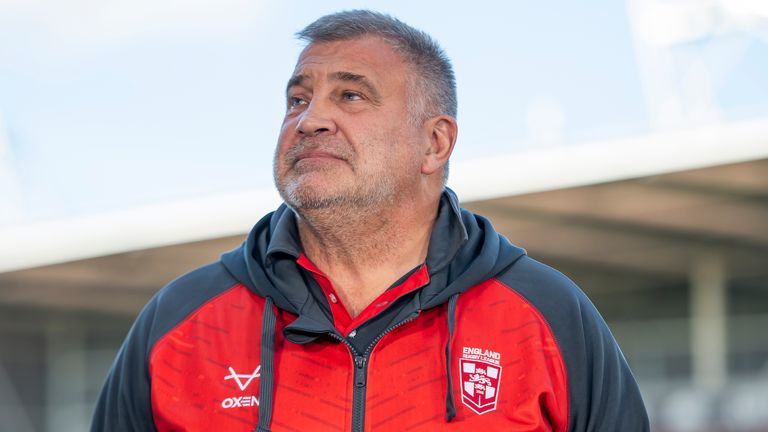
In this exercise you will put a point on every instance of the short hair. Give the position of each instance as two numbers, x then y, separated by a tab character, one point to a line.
432	91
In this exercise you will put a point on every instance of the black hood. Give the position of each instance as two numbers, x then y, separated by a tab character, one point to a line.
464	250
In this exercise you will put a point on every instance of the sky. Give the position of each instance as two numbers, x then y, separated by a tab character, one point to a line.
106	105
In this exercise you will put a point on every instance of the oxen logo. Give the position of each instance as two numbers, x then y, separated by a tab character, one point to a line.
242	381
480	379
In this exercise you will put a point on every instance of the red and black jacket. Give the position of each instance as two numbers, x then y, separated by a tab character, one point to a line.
479	337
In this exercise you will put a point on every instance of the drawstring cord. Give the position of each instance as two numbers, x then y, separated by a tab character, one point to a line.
266	380
450	404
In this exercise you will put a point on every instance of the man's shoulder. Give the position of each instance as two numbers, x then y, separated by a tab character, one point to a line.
182	296
561	301
205	281
534	279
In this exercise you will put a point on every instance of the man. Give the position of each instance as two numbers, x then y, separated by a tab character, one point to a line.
370	301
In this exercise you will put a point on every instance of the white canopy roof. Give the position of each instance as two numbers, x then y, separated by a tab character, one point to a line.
38	244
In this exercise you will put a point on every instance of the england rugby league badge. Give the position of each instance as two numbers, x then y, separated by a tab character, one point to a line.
480	379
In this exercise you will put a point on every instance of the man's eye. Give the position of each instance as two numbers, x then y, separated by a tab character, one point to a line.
295	101
350	96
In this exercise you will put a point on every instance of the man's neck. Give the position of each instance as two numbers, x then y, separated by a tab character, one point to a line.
365	252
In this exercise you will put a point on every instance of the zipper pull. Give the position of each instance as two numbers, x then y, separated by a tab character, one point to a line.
359	371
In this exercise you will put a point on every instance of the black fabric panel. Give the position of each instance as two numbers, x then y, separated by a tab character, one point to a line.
124	404
603	394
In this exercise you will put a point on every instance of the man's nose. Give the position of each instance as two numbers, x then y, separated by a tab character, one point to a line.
316	119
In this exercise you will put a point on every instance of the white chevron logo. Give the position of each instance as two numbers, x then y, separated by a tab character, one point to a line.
238	377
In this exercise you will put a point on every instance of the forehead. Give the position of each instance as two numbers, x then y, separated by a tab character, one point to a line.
372	57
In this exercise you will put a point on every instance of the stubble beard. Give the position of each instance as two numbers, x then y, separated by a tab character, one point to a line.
367	194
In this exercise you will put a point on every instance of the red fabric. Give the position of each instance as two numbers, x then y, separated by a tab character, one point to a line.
406	388
188	366
341	317
313	384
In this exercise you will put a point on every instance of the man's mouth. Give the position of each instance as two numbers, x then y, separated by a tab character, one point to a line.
317	154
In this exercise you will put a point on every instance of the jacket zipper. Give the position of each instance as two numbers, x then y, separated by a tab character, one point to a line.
361	374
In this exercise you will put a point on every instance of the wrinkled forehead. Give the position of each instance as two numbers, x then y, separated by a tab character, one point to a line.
371	56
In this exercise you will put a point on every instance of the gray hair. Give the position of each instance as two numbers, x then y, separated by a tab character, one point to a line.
432	91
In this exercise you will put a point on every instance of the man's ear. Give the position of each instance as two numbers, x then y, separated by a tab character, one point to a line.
442	131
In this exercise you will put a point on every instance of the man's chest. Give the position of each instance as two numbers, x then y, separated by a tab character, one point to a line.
206	374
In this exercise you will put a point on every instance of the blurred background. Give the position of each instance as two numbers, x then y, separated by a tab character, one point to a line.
623	142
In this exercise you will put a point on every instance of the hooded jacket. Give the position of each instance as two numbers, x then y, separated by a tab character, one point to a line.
478	337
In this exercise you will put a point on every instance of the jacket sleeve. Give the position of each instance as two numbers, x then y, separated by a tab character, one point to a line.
604	395
124	404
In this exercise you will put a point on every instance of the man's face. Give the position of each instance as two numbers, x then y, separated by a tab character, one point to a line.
347	139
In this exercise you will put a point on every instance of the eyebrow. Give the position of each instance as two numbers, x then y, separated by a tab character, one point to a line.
362	80
295	80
